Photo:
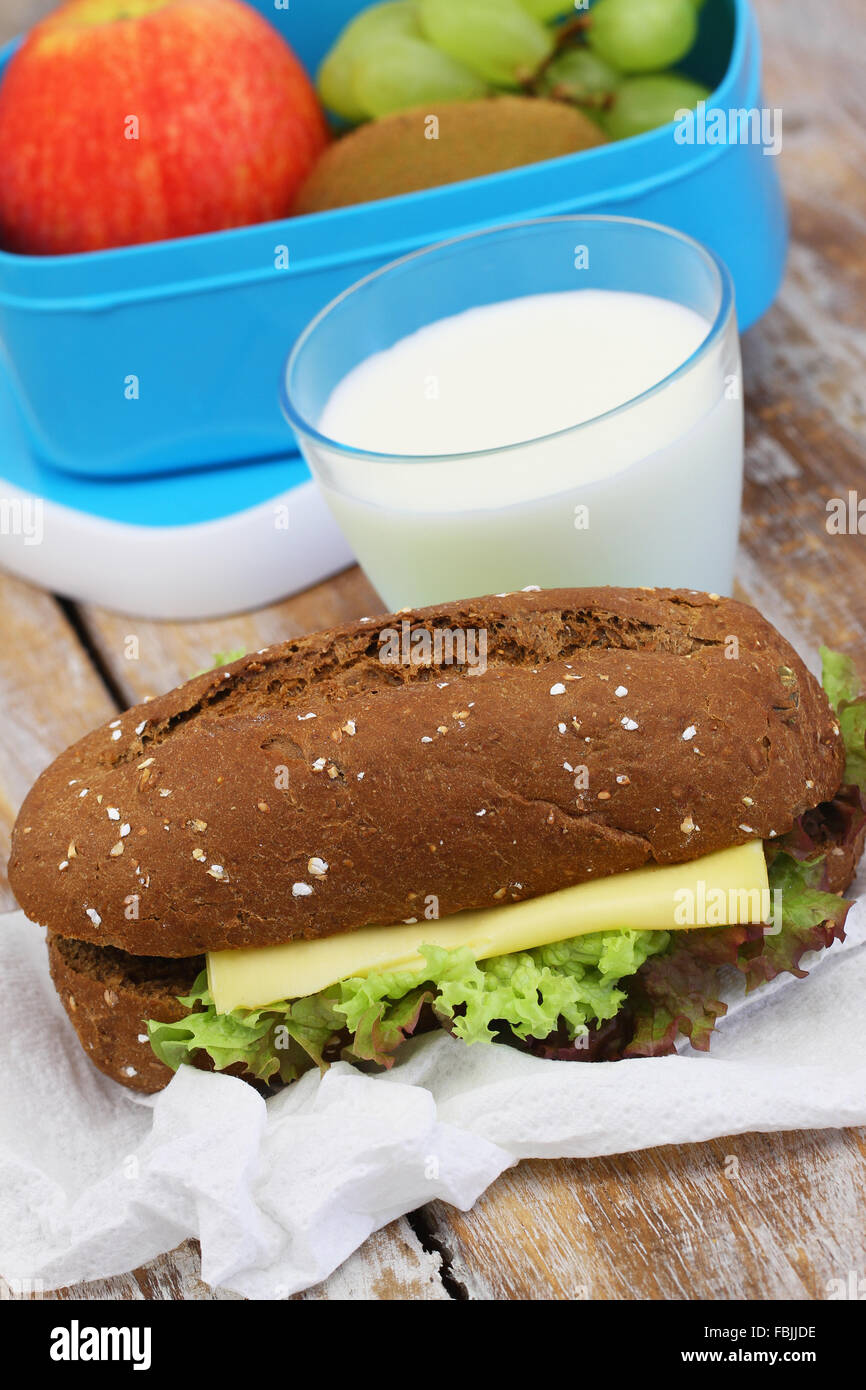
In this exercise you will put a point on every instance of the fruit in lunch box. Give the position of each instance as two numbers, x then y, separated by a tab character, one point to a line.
644	103
579	75
394	155
126	121
497	39
405	53
642	35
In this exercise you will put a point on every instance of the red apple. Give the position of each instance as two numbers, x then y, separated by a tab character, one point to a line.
125	121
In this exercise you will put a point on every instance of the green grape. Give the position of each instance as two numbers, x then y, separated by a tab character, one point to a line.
392	17
334	79
642	35
497	39
580	76
643	103
400	72
547	10
334	85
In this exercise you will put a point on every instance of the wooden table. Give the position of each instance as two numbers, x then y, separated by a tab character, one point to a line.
666	1223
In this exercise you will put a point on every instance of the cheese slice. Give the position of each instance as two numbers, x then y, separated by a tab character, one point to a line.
719	889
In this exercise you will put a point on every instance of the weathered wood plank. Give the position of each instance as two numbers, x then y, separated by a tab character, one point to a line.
145	658
50	695
752	1217
390	1266
805	363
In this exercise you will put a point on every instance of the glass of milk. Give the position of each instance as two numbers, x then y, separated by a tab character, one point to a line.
553	403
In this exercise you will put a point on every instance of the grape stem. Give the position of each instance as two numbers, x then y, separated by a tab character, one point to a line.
595	101
572	29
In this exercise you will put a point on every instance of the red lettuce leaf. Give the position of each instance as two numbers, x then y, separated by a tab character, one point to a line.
386	1025
676	993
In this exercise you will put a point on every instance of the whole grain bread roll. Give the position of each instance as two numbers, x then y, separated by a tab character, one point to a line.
332	781
109	997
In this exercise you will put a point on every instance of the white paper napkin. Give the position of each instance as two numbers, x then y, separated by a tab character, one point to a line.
95	1180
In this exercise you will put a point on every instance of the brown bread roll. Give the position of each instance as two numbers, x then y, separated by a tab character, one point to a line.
109	996
316	787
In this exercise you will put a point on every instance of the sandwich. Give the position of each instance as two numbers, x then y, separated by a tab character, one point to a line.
562	821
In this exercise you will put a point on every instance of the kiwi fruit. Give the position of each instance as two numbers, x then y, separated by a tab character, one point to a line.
399	154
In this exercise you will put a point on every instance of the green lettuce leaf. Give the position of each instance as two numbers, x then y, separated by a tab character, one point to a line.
222	659
838	677
268	1044
569	985
226	658
842	685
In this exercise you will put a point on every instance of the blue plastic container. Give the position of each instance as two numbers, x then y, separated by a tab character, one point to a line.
205	323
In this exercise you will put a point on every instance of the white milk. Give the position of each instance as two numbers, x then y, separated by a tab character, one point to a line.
648	495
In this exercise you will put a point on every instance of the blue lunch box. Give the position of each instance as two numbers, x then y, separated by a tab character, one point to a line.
204	323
